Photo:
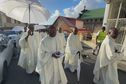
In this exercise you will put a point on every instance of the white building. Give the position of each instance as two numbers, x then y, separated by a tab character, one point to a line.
8	22
115	16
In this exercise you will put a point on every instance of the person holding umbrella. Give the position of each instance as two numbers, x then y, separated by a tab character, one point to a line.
29	48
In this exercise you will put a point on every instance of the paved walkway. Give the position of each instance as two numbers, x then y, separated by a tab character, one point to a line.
17	75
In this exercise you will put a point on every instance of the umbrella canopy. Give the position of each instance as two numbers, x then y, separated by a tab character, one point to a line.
26	11
18	28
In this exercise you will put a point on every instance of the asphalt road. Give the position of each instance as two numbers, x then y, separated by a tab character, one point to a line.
17	75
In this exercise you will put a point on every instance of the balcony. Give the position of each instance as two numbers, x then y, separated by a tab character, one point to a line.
121	26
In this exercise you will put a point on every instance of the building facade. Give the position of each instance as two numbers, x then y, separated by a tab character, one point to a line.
93	19
67	24
6	22
115	16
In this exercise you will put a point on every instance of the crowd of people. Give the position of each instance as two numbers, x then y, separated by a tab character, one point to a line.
47	51
44	53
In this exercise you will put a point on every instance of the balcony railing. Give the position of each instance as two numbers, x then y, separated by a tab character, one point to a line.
121	26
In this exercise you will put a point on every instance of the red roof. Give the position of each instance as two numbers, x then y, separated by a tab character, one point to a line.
68	20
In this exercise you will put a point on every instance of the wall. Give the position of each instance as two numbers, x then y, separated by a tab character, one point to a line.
8	22
79	24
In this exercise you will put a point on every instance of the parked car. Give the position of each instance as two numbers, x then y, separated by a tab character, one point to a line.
13	36
88	37
5	58
3	39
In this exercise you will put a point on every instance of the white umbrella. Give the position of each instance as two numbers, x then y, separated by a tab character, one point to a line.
26	11
18	28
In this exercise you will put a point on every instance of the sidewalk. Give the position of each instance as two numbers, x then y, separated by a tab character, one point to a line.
91	43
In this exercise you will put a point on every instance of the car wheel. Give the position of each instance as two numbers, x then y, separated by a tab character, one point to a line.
5	71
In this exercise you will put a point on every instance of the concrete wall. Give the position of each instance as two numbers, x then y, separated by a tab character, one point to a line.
4	22
79	24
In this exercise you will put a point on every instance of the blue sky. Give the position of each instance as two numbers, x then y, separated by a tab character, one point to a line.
69	8
53	5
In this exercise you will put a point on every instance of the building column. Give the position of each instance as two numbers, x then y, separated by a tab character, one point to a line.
106	14
117	20
3	18
12	20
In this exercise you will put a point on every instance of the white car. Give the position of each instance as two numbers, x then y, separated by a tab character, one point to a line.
13	36
5	58
3	39
15	39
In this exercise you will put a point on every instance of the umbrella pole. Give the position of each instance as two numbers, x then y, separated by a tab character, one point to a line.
29	13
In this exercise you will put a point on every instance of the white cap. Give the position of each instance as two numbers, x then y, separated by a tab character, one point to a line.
38	27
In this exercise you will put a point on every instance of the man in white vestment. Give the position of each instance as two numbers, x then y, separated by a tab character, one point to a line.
73	47
49	65
29	48
21	34
61	40
105	70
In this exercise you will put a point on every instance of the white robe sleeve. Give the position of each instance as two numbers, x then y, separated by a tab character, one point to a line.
111	54
79	45
22	42
64	41
43	54
73	46
69	47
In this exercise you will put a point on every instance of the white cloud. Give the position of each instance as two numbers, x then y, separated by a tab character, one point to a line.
53	17
99	0
74	11
55	14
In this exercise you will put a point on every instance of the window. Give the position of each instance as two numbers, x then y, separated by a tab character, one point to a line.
0	20
8	20
114	10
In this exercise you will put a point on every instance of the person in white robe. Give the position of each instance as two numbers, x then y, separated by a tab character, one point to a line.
40	35
73	46
49	65
61	40
40	31
105	70
29	48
